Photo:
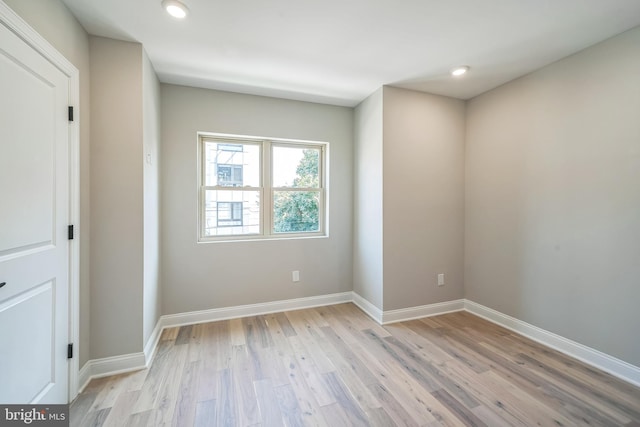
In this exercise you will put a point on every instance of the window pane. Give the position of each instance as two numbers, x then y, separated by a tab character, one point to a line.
228	213
231	165
296	211
296	167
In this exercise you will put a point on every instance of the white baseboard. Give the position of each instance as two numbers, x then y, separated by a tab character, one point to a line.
600	360
84	376
204	316
135	361
98	368
403	314
152	344
369	309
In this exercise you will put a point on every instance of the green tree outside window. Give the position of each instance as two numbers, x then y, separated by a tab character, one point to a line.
297	211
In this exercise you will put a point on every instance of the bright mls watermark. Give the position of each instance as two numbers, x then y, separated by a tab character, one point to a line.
34	415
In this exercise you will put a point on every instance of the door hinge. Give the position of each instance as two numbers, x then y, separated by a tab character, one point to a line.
70	113
70	351
70	232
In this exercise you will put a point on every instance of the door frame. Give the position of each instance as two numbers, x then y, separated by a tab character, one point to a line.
18	26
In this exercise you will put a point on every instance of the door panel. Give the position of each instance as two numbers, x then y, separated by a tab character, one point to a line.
34	214
26	159
35	346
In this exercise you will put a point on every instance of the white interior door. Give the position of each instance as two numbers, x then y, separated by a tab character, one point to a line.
34	215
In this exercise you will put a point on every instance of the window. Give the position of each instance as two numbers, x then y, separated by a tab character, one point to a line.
253	188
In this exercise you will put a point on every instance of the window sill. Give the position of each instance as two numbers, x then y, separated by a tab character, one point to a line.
238	239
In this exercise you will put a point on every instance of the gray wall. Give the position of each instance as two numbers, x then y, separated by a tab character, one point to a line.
553	198
368	199
212	275
423	191
151	151
55	23
117	197
409	198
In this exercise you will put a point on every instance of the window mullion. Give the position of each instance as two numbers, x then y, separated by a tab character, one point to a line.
267	191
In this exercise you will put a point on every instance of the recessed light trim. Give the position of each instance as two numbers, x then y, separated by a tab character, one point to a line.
175	8
459	71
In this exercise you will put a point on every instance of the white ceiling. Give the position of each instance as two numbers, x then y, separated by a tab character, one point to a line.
341	51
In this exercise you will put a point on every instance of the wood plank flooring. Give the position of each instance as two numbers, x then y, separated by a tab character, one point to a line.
333	366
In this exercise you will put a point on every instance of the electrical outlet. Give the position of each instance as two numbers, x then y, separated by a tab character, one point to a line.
441	279
295	276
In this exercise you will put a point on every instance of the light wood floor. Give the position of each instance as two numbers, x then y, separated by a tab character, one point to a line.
333	366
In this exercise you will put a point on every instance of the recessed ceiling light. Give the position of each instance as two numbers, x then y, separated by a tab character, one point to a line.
458	71
175	8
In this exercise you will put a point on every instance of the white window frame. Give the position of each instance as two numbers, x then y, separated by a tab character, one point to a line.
266	190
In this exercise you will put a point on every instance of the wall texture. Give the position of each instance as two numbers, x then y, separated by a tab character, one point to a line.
151	151
213	275
409	202
117	197
423	189
368	200
55	23
553	198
